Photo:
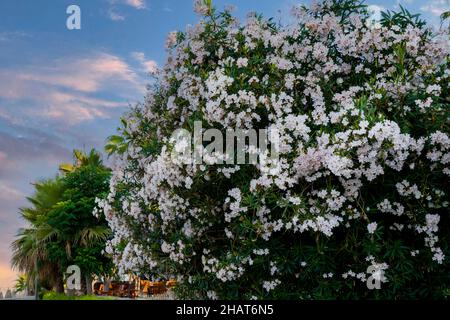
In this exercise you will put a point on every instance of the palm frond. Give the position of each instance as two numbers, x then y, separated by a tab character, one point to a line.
92	235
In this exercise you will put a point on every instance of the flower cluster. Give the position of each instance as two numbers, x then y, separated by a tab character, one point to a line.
362	113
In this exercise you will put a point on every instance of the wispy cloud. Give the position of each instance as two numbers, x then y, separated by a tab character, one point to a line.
113	15
12	35
138	4
436	7
67	91
35	145
375	14
77	107
149	66
8	192
85	74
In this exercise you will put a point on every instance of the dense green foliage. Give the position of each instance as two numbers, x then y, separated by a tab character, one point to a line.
62	230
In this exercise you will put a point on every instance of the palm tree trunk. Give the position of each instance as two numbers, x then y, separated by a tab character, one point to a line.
83	286
59	286
88	278
36	288
36	279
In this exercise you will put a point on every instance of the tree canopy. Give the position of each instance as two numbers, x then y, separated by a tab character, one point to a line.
62	230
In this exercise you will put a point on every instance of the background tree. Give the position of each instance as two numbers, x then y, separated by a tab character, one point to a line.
21	284
62	230
30	249
82	235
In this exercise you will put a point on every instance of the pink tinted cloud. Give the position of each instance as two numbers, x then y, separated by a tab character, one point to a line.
138	4
86	74
75	108
149	66
115	15
9	193
67	90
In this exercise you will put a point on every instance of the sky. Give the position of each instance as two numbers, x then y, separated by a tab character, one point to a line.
62	89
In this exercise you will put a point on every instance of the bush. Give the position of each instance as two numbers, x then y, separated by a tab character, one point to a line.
361	183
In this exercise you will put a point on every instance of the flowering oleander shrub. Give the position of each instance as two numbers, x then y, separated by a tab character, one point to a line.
361	181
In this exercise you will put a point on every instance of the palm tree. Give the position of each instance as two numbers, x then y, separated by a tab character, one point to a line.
30	257
47	194
29	251
21	283
89	236
82	159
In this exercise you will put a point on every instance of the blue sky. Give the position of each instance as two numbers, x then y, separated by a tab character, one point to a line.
62	89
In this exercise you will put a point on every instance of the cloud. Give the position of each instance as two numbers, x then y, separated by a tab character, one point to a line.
68	91
77	108
30	146
7	192
138	4
436	7
85	74
12	35
114	16
59	97
149	66
375	15
398	2
8	167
